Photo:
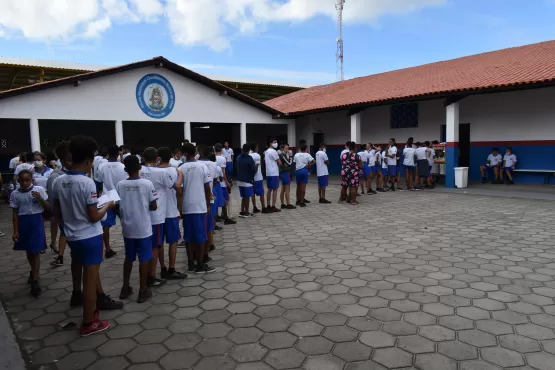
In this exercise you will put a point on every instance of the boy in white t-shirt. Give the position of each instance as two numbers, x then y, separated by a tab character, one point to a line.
205	152
176	160
409	164
271	158
509	164
495	162
195	209
303	160
364	171
392	163
138	198
371	155
228	154
258	186
385	172
225	184
322	172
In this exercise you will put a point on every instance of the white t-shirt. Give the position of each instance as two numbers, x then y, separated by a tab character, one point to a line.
25	203
110	173
408	156
175	163
163	183
271	157
510	160
134	207
171	202
384	159
13	163
40	179
302	160
195	175
343	152
76	192
97	161
363	154
213	171
392	151
321	166
421	153
228	154
372	157
494	160
221	161
258	162
431	157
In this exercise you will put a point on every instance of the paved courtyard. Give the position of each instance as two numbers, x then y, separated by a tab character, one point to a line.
430	281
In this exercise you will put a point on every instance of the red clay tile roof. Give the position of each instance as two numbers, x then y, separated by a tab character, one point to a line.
530	64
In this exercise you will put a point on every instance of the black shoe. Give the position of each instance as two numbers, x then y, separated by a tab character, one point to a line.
192	267
306	200
275	209
510	182
76	299
110	253
256	210
400	189
144	296
35	288
218	228
175	275
204	269
164	273
325	201
290	206
283	206
125	292
302	205
153	282
211	247
250	215
392	188
229	221
219	218
266	210
58	261
105	303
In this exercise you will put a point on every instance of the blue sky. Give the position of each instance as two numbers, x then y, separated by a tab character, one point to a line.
288	46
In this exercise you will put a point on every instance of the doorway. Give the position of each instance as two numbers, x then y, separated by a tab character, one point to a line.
464	142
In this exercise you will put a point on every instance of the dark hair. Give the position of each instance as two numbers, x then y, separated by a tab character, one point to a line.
61	151
392	139
246	148
150	154
218	147
186	141
348	143
370	145
303	148
178	150
435	142
29	157
494	149
510	148
418	143
204	150
126	147
272	139
25	172
113	151
131	163
322	144
301	142
165	154
253	146
352	145
427	143
82	149
42	155
410	139
189	149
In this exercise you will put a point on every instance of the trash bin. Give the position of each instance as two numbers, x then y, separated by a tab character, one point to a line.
461	177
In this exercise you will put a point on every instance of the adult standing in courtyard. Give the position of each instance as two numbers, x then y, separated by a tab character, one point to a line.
350	169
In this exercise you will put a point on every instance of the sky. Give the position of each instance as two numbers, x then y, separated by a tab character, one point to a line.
285	40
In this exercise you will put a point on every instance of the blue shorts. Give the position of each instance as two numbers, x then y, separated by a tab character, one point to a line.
194	228
272	182
229	169
430	171
384	172
373	169
225	194
391	170
411	168
138	247
246	191
157	235
365	170
323	181
258	187
32	237
171	230
510	169
210	223
217	191
110	218
285	178
301	176
87	252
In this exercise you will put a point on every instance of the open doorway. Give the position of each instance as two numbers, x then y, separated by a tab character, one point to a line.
464	142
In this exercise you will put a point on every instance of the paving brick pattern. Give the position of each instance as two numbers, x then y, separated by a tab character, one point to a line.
447	282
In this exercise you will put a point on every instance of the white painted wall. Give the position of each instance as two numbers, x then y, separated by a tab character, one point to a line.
113	97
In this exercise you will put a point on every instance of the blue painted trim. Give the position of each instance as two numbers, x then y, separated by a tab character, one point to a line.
451	161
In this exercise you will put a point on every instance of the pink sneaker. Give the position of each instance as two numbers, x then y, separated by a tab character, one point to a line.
93	328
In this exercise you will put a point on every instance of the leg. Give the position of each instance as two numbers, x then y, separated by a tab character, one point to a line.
269	198
320	193
34	264
161	258
323	192
262	201
274	197
302	191
282	194
62	246
106	231
288	194
407	178
53	233
224	213
343	195
353	194
155	251
90	288
173	254
127	268
253	201
143	274
509	175
298	193
77	275
496	173
483	171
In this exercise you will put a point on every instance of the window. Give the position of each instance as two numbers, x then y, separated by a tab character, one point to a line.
404	115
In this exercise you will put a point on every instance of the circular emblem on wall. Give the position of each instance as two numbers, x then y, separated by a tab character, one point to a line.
155	96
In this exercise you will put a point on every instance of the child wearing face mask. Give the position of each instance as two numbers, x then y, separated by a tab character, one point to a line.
41	172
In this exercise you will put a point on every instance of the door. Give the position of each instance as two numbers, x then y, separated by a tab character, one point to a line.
464	145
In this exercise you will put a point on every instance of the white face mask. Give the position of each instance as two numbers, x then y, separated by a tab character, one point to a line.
324	150
39	164
274	145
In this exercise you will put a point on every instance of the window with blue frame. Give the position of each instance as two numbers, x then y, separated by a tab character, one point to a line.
404	115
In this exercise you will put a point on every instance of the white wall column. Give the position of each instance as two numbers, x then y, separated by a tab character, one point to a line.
35	134
452	145
187	130
356	121
243	133
119	133
291	134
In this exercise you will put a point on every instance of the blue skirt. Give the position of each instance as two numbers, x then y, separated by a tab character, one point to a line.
32	237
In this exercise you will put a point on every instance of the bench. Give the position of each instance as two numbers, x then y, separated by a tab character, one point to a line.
546	174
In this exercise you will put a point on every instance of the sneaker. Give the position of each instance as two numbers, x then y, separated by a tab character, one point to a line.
229	221
110	253
176	275
400	189
242	215
266	210
302	205
192	267
275	209
325	201
290	206
153	282
93	328
510	182
306	200
204	269
164	272
58	261
219	218
76	299
218	228
251	214
144	296
283	206
105	303
211	247
126	291
35	288
372	192
416	189
256	210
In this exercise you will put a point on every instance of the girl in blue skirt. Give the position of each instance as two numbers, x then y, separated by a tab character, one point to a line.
28	203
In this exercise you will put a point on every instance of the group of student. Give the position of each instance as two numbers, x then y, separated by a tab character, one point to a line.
153	197
500	166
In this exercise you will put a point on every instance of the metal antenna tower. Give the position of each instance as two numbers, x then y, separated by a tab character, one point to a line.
339	54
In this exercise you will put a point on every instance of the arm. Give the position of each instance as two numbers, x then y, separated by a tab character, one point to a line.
57	210
208	197
41	200
179	183
15	221
97	214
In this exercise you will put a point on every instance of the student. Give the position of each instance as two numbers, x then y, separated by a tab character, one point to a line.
204	152
138	198
385	171
62	153
41	172
172	234
409	164
195	210
371	168
494	161
509	164
176	160
258	186
272	161
322	162
364	172
285	176
431	155
163	183
225	184
303	161
345	150
125	151
392	163
421	154
110	173
75	203
246	170
29	164
28	204
97	161
15	161
228	154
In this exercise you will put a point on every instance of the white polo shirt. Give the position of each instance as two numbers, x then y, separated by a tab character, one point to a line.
175	163
163	184
213	171
13	163
302	160
321	166
363	154
431	157
41	179
195	175
271	157
221	161
392	151
385	159
258	162
510	160
110	173
97	161
494	160
408	156
24	202
171	202
421	153
134	207
228	154
372	157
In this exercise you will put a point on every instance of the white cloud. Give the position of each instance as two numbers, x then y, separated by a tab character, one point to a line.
191	22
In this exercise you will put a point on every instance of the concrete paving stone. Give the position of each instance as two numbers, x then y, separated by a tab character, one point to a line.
76	360
438	309
548	345
415	344
519	343
509	317
285	358
502	357
455	322
116	347
297	315
152	336
210	317
352	351
243	320
248	352
182	341
150	366
353	310
305	329
543	320
265	300
269	311
437	333
216	362
392	357
185	326
478	365
253	366
364	365
405	305
88	343
61	337
374	302
524	308
113	363
176	360
35	333
420	318
399	328
49	355
273	324
124	331
432	361
330	319
186	313
147	353
279	340
494	327
327	362
312	346
457	350
541	360
423	297
364	323
385	314
214	347
473	313
293	303
377	339
535	331
454	301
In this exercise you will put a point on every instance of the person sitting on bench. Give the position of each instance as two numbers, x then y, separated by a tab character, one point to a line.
509	163
494	161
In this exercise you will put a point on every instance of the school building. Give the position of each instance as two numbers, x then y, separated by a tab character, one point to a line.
501	98
151	103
